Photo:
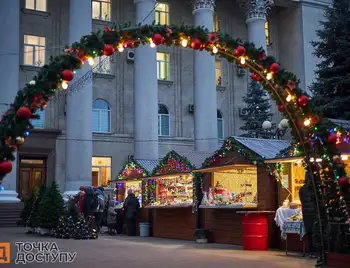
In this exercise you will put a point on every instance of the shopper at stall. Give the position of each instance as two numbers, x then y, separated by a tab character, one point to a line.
309	212
98	207
111	218
131	209
87	203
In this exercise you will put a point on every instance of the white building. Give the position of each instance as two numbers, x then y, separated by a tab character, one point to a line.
140	102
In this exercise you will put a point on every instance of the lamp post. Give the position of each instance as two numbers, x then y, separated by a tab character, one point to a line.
281	129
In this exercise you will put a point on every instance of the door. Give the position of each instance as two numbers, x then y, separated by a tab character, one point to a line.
30	178
95	178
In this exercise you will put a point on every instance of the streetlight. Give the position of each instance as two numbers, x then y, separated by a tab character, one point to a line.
280	130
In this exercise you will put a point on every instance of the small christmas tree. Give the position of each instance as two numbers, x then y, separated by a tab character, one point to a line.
257	111
32	221
81	230
51	207
28	206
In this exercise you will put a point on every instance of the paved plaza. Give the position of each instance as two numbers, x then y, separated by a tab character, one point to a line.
138	252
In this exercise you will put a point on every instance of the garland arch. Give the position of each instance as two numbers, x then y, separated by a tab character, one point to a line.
313	136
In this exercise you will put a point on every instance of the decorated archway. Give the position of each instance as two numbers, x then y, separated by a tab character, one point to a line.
313	136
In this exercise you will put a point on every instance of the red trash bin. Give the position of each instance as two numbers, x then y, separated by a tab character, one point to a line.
255	230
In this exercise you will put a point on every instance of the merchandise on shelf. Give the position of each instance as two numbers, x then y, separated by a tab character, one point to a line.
173	191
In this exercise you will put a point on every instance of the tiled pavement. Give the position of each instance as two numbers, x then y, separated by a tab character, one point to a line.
138	252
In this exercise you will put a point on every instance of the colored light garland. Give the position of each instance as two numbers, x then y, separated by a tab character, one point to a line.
173	162
132	170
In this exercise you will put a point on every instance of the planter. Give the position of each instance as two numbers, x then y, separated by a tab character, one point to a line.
338	260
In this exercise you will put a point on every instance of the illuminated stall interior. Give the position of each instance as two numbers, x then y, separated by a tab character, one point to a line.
171	184
234	186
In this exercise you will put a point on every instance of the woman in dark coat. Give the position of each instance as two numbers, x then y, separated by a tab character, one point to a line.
87	209
309	211
131	209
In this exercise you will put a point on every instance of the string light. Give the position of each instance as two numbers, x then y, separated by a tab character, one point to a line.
215	50
91	61
151	44
64	85
184	42
289	98
242	60
269	76
307	122
120	48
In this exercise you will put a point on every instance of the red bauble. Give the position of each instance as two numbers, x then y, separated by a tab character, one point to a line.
274	68
281	108
196	44
240	51
157	39
303	100
67	75
315	119
332	138
343	180
108	50
255	77
5	167
24	112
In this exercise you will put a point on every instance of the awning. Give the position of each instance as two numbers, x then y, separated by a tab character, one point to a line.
221	168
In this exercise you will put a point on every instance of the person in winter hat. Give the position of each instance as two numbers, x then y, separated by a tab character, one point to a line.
131	208
87	203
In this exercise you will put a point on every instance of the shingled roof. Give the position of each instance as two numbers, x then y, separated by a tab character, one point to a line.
148	165
196	158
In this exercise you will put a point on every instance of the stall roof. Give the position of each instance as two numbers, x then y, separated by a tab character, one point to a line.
196	158
149	165
345	124
266	148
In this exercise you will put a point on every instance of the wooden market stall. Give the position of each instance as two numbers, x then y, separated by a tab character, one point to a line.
130	177
235	179
170	198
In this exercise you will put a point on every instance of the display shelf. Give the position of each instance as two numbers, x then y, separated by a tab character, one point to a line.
232	206
171	206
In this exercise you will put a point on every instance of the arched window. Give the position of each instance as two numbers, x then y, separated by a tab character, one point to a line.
220	125
101	116
39	123
163	120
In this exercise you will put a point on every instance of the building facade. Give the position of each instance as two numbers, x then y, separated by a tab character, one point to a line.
143	102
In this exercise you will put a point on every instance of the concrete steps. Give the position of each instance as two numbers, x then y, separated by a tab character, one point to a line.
10	214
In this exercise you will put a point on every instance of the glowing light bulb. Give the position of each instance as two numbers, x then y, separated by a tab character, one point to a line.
120	48
307	122
151	44
289	98
64	85
269	76
91	61
184	42
215	50
242	60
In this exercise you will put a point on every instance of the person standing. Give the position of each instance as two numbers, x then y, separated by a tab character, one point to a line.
309	212
99	206
87	203
131	208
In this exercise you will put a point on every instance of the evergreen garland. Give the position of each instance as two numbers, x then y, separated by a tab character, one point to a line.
172	162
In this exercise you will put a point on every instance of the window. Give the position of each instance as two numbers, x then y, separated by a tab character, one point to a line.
101	10
216	23
102	65
220	125
163	121
101	171
162	14
218	73
39	123
163	66
101	116
39	5
34	50
267	33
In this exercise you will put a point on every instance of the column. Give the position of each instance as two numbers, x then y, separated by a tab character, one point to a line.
205	103
79	107
9	77
256	11
145	90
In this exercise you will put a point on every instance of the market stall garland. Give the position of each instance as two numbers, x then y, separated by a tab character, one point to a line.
132	170
283	86
172	162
